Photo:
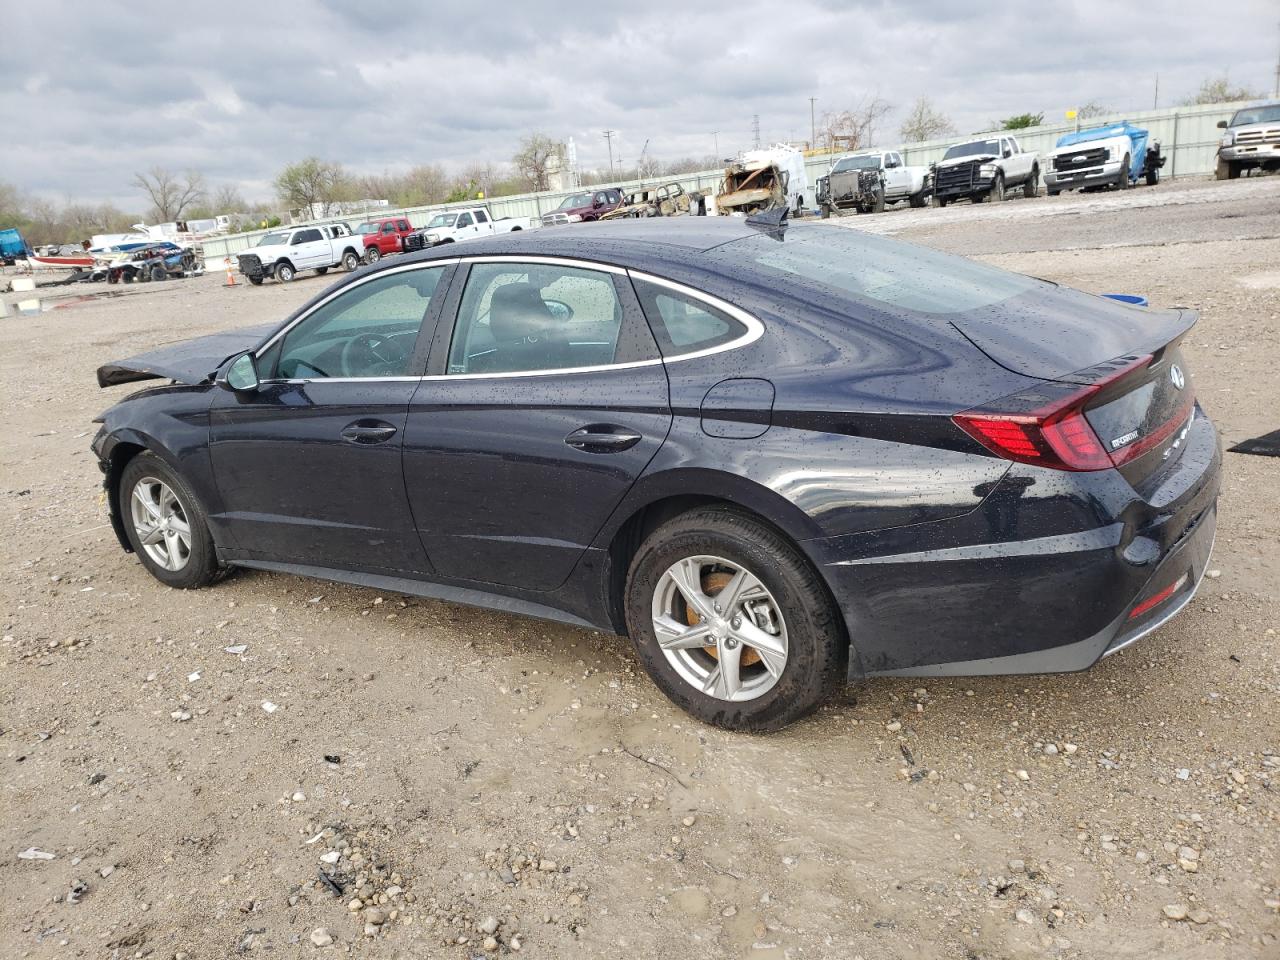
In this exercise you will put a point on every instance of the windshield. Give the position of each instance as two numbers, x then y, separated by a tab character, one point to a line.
975	149
443	220
367	228
577	200
881	272
857	163
1267	114
272	239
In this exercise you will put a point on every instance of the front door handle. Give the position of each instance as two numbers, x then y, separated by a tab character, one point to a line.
368	432
603	438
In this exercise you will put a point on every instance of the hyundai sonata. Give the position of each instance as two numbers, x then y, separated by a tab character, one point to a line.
777	457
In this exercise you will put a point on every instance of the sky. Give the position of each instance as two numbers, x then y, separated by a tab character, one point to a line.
90	96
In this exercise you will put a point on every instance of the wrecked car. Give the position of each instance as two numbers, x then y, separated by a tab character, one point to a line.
149	262
763	180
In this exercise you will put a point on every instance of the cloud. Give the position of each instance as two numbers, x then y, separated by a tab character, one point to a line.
93	96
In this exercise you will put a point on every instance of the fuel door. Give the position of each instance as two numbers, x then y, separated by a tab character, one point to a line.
738	409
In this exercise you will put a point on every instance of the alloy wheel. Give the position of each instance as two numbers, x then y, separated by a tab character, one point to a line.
160	523
720	628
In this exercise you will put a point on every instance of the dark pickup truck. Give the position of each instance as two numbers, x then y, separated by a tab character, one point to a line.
581	207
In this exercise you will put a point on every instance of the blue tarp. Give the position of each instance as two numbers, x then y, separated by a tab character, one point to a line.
1137	136
12	244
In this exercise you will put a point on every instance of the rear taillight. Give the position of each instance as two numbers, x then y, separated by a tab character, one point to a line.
1046	426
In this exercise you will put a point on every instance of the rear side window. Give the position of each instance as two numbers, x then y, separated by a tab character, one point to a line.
682	324
481	217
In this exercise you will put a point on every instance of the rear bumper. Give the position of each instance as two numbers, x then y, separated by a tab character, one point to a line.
1049	574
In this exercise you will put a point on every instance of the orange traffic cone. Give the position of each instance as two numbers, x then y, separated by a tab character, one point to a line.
231	277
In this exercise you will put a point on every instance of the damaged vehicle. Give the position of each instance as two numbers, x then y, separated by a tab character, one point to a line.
865	182
669	200
762	180
149	262
778	457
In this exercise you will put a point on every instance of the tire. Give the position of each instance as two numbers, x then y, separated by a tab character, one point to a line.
997	188
285	272
372	255
158	273
350	261
922	199
939	202
515	229
1031	187
321	271
813	658
196	564
877	205
256	281
1153	176
1053	193
1233	170
1122	181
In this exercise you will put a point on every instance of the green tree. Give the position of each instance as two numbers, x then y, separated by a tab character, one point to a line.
1021	121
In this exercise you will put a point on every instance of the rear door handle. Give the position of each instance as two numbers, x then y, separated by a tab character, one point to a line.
603	438
368	432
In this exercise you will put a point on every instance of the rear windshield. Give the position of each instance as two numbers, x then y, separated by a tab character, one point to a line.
1267	114
976	149
882	272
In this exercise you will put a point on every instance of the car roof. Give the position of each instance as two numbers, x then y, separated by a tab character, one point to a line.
640	243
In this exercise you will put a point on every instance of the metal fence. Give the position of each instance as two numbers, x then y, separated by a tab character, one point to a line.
1188	136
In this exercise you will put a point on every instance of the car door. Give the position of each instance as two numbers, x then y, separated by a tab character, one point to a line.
896	180
309	249
483	226
546	399
308	465
465	228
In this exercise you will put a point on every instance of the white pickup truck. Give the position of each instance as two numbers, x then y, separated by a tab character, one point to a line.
454	226
984	169
282	253
851	183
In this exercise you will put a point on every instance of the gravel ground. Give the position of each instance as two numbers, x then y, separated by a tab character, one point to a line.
481	784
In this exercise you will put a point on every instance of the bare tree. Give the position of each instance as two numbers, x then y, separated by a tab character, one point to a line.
925	122
169	193
1091	110
312	185
228	199
853	129
1220	90
532	161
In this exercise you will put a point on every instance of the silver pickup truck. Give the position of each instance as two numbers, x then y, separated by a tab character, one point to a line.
1252	139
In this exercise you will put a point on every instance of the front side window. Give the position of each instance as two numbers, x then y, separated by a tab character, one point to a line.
464	220
517	317
683	324
306	236
370	330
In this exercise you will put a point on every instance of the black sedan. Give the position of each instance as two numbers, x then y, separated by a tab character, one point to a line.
776	457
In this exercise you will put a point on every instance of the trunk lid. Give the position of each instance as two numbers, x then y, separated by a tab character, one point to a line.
1146	398
187	361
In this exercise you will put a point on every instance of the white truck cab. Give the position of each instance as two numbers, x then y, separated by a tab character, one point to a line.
284	251
983	169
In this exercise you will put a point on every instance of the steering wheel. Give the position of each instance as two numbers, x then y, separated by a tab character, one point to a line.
365	350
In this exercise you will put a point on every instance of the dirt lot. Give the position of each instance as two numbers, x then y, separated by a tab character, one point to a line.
469	766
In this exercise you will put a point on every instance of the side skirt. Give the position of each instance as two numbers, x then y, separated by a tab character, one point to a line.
422	588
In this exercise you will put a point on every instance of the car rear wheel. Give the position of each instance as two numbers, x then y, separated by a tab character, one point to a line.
1153	176
1031	188
284	273
166	524
731	623
350	261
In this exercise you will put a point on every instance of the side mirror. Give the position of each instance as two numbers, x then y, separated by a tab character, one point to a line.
1222	124
243	373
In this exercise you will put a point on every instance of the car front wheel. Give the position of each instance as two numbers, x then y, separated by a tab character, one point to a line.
731	622
166	524
372	255
284	273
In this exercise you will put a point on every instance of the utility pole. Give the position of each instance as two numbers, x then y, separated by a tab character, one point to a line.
608	137
755	130
1155	100
716	137
813	126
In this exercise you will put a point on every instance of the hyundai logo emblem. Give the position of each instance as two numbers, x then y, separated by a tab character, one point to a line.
1175	374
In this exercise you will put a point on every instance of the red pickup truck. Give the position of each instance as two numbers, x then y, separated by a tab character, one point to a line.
384	236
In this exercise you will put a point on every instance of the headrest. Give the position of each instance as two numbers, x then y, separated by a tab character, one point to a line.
517	311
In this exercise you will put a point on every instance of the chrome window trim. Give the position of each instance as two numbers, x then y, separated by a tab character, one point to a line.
754	331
